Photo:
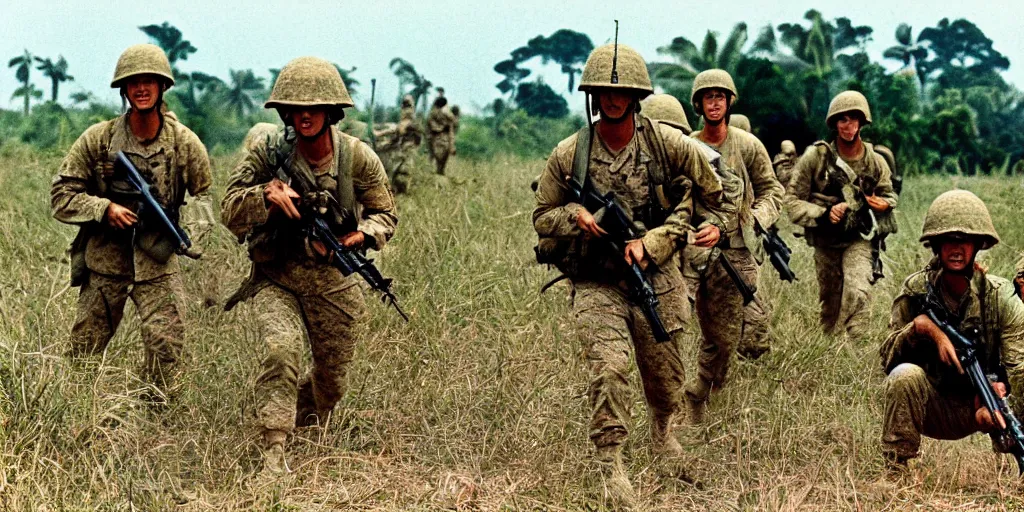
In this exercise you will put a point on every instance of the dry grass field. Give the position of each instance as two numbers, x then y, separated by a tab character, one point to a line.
477	404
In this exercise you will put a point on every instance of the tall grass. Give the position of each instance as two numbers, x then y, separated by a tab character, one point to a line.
478	403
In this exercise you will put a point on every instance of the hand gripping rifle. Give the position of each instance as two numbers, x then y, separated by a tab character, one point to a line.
1010	438
346	260
151	210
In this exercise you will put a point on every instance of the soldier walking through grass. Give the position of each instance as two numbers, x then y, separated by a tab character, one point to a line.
840	193
752	200
652	170
294	289
115	256
926	391
440	132
397	146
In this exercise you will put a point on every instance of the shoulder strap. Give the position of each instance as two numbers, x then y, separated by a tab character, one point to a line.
346	195
581	159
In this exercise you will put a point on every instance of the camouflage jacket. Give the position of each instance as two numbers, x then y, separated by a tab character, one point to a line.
784	165
440	121
811	177
174	163
274	245
751	192
990	306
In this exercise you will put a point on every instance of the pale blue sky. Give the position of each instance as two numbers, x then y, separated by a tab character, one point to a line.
455	43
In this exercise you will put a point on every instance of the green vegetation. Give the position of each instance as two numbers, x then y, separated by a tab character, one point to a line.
477	404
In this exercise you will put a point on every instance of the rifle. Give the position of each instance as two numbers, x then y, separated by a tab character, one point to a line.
1011	437
369	125
620	230
151	209
778	252
746	290
346	260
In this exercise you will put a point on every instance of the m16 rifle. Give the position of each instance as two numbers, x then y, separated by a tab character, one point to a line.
151	212
778	252
1009	438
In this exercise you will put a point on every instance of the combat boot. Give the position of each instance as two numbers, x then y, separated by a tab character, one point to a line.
617	490
663	440
696	409
274	462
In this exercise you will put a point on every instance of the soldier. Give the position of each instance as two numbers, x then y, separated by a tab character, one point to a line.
398	145
836	192
652	170
740	121
926	391
666	109
440	132
784	162
293	287
114	257
752	199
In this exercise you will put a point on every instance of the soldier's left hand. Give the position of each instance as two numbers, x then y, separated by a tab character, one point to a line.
353	240
635	253
707	236
876	203
982	415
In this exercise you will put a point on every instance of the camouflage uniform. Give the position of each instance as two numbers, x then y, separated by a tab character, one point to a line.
842	256
784	162
922	395
610	325
752	194
440	133
740	121
397	146
113	264
294	293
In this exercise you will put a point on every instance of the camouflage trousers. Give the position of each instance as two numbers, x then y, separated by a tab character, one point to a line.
610	327
285	318
159	301
754	339
913	407
720	314
440	150
844	279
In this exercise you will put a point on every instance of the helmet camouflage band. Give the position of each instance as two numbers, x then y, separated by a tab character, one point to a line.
848	101
628	64
307	82
666	109
959	212
712	79
740	121
142	59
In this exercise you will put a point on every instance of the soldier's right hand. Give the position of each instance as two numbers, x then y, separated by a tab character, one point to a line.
837	212
280	196
947	354
588	223
982	415
120	217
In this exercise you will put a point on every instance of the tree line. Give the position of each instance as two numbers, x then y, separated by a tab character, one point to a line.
945	109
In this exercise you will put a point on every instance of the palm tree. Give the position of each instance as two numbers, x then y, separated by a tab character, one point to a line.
819	44
676	78
81	97
350	81
168	37
56	72
910	53
238	97
27	91
22	73
408	77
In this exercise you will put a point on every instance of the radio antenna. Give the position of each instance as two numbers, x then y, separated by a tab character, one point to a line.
615	55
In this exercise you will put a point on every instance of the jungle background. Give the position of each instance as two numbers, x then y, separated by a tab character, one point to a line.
479	402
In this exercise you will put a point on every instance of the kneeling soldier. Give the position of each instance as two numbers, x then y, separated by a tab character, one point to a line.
926	392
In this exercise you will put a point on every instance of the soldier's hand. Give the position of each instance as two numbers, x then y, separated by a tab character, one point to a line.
708	236
588	223
635	253
280	196
837	212
877	203
353	240
120	217
947	354
982	415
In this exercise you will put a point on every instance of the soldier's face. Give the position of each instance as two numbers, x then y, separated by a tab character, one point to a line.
615	104
308	123
143	92
715	104
848	127
956	254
